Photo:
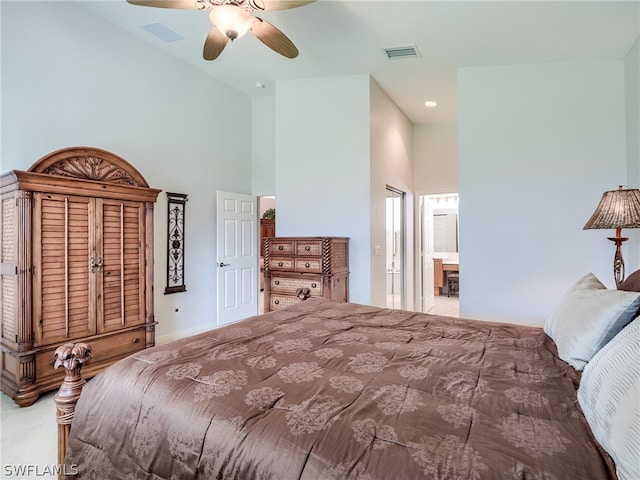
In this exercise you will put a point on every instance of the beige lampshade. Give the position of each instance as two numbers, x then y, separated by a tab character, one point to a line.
617	209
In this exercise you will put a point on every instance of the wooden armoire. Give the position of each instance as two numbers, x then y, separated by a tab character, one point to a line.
77	265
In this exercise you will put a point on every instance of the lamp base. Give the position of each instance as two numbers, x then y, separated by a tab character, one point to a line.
618	260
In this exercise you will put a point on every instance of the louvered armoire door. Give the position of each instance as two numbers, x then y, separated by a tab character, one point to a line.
120	245
63	284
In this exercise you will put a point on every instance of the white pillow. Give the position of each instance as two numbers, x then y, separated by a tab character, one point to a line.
609	395
587	317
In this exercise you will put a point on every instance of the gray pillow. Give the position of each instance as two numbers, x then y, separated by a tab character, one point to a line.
587	317
609	395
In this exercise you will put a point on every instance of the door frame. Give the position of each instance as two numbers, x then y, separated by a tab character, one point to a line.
401	242
426	246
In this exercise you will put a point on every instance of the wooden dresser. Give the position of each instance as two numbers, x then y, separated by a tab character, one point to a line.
77	265
297	268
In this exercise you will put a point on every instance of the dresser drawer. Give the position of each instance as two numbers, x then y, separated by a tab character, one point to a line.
281	247
119	345
288	285
114	346
282	301
309	247
281	263
308	265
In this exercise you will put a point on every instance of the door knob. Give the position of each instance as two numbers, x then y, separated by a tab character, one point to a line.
222	264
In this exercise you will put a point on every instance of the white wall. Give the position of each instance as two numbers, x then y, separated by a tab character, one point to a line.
436	158
538	144
263	137
391	164
323	166
69	78
632	91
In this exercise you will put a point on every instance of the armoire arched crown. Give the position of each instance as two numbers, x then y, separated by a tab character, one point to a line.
90	163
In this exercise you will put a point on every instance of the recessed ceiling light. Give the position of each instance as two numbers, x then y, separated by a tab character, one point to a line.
430	103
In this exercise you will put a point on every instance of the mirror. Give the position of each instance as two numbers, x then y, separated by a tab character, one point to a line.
445	222
445	232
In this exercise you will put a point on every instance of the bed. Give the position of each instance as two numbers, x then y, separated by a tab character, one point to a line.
328	390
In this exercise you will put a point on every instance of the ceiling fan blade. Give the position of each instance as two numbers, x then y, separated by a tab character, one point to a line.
184	4
214	44
278	4
274	38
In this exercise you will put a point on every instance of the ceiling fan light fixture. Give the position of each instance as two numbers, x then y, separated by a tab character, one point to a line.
231	20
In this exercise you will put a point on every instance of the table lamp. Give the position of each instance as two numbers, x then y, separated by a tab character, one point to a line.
617	209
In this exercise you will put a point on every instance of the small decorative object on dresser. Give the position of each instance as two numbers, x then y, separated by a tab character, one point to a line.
297	268
77	265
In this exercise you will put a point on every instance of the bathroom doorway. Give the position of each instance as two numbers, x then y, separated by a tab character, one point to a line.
439	227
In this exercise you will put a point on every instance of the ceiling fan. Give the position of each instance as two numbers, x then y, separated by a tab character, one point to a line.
232	19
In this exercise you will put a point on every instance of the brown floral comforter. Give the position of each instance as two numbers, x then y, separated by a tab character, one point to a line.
326	390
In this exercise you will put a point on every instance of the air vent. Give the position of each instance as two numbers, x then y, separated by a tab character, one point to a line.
163	32
407	51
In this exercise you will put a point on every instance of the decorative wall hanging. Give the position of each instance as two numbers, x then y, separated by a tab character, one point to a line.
175	243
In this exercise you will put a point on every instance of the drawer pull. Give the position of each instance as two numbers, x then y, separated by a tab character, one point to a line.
135	340
280	264
277	282
52	363
303	293
307	248
276	302
314	285
280	247
307	264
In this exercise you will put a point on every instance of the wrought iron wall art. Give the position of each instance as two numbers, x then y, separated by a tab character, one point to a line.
175	243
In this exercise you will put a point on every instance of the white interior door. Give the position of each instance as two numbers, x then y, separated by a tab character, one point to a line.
427	251
237	263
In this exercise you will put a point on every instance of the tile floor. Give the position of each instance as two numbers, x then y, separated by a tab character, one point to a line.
444	305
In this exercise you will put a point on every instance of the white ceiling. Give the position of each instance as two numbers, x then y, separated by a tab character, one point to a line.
347	37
